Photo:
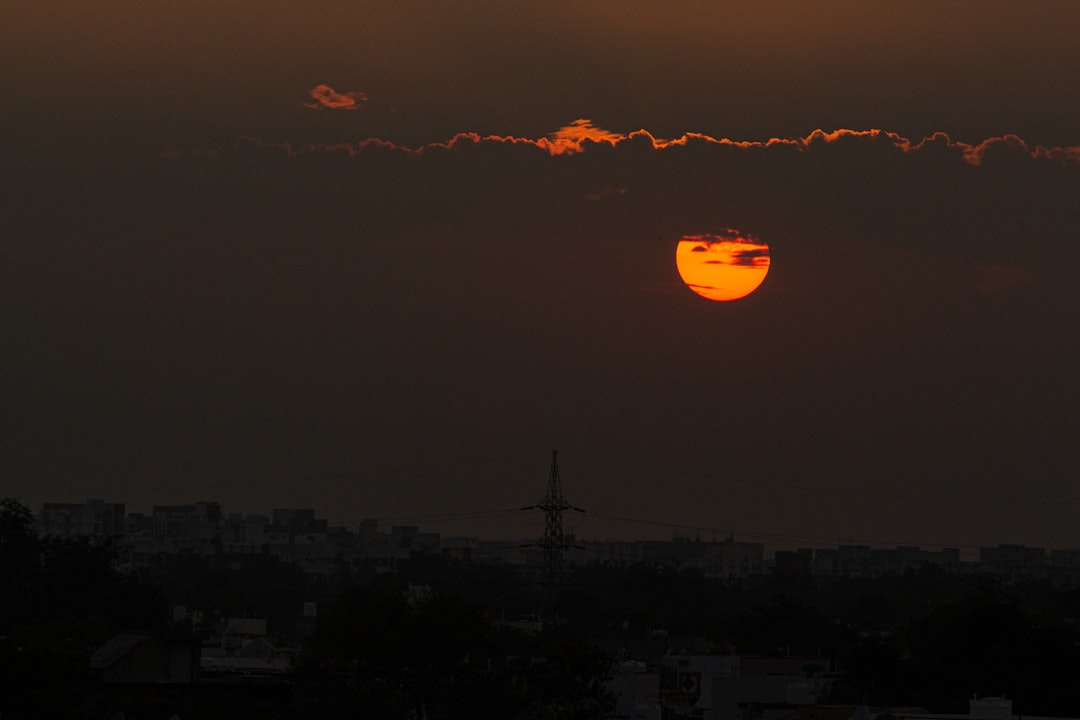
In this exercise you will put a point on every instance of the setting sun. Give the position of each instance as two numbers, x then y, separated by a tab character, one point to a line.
722	266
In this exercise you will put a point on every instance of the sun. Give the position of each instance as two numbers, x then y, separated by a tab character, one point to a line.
722	266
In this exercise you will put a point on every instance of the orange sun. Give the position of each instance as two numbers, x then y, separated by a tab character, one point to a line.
723	266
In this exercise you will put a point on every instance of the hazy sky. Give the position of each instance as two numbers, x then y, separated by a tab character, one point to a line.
382	258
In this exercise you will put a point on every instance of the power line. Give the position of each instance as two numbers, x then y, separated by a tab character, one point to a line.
553	505
728	477
474	514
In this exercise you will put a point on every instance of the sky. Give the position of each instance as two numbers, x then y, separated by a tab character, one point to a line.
381	259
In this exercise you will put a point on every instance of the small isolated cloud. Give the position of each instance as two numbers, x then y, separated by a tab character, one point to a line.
324	97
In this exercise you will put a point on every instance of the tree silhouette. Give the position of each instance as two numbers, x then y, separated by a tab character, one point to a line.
62	599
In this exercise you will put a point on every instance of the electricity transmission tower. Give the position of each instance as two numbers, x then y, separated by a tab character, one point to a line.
554	542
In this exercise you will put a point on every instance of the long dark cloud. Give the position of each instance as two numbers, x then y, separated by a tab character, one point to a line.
581	134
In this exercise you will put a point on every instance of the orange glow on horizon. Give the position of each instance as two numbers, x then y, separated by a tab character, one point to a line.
722	267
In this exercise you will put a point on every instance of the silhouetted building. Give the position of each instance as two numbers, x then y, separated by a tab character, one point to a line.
298	521
731	559
1012	562
93	518
1065	567
636	689
402	536
136	659
187	522
789	563
731	687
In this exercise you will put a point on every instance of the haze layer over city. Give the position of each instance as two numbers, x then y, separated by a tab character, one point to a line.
381	261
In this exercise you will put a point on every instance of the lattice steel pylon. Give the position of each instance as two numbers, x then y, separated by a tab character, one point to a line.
554	542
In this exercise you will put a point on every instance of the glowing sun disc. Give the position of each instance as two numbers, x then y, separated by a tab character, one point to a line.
722	266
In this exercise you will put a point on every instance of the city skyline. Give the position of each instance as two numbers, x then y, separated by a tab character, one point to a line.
323	548
104	518
383	260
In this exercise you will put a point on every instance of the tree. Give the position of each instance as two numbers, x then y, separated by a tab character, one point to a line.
20	562
62	598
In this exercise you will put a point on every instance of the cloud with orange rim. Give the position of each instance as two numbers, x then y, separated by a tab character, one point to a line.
579	135
324	97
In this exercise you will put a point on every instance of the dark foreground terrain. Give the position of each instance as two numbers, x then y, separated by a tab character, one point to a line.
441	638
